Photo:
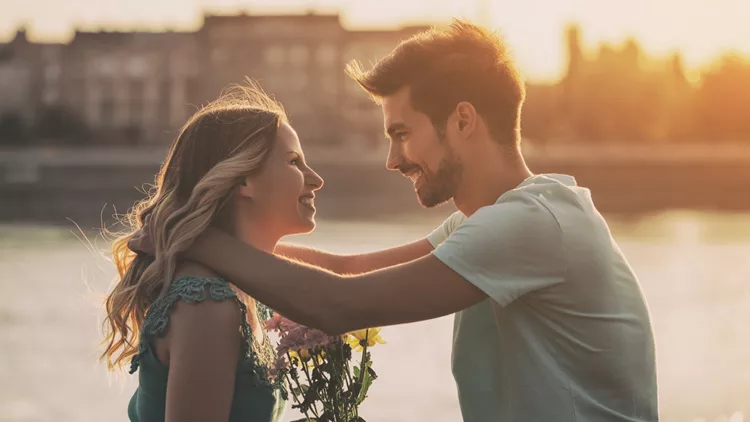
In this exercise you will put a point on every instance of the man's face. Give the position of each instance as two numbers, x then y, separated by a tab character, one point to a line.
419	151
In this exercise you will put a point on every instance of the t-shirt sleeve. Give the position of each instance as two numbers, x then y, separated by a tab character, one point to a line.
446	228
507	249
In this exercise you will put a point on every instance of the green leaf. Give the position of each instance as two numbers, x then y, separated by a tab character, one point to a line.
366	382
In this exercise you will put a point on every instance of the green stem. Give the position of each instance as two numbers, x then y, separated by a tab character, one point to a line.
333	378
341	380
362	367
347	376
291	389
324	393
299	386
364	358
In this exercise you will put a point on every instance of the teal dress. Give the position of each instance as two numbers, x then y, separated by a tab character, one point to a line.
256	398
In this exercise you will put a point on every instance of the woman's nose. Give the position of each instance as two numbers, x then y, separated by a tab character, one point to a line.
314	180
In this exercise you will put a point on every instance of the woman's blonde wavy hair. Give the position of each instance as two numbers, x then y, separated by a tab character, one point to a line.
219	146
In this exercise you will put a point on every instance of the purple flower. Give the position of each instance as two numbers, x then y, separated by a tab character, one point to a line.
280	363
273	323
292	340
315	338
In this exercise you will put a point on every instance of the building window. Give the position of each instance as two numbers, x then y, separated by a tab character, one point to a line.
137	93
52	72
298	55
137	66
50	93
106	66
50	96
107	102
165	101
107	112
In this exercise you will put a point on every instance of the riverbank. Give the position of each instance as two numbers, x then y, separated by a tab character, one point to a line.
91	185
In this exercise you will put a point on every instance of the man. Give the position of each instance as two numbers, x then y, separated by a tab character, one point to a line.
550	322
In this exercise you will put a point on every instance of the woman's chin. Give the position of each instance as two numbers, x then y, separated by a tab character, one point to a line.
305	225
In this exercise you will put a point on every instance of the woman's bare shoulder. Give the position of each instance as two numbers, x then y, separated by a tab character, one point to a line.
191	268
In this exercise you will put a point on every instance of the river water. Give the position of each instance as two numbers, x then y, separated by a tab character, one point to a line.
694	269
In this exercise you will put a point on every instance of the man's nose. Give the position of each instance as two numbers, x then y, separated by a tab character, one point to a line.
395	158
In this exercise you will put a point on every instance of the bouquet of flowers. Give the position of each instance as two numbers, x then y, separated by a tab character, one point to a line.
320	373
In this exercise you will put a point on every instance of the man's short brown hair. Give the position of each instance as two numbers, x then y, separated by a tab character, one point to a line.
463	62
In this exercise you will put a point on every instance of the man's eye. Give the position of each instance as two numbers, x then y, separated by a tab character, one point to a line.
402	135
295	162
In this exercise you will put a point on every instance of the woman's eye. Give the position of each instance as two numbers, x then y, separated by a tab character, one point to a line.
296	162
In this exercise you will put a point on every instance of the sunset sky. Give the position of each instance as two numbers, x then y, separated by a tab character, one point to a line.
701	29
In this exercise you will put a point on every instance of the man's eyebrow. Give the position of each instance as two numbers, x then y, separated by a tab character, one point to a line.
394	127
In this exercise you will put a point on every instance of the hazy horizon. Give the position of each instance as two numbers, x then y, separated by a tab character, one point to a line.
700	30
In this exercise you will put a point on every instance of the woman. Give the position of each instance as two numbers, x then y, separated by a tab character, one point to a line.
238	166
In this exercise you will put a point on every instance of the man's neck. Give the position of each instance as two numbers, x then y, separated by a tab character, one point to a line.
484	183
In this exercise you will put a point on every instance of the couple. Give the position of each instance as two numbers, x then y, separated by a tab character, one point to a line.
550	323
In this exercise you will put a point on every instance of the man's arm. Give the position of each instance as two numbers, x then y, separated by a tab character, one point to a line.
359	264
418	290
355	264
503	251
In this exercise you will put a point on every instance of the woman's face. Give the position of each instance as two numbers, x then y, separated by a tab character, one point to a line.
283	192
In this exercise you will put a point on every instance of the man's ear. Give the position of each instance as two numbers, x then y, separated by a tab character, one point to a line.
466	116
246	188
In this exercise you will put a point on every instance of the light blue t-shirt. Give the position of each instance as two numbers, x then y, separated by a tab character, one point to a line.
565	334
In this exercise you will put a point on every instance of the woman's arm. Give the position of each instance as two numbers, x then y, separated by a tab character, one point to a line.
356	264
204	349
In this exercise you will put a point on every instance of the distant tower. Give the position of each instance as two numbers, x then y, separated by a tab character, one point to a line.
632	53
566	105
678	68
574	51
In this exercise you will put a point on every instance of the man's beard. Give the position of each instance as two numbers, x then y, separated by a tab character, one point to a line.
441	186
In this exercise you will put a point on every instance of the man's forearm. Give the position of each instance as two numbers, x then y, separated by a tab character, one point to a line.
339	264
373	261
421	289
300	295
356	264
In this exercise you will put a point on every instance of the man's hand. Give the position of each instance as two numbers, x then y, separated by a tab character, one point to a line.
142	240
355	264
418	290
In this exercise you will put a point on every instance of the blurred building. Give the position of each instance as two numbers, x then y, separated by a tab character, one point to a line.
140	87
29	76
